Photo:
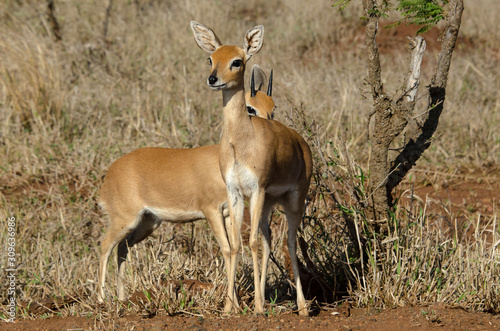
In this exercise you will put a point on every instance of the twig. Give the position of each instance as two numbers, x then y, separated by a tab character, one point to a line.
192	314
106	20
53	20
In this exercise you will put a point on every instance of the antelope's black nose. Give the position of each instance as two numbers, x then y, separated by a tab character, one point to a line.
212	80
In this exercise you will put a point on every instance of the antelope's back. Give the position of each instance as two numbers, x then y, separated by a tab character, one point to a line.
183	179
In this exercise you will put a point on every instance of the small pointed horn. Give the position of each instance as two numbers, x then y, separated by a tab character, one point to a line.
252	86
270	85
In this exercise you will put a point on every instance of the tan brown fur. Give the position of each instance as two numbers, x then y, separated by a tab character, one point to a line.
151	185
261	160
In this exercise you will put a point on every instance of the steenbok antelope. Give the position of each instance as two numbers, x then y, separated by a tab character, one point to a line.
151	185
260	159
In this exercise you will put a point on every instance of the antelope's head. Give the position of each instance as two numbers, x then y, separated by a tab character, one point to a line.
259	103
227	62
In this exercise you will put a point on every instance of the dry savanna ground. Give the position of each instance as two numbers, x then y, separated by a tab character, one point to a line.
77	96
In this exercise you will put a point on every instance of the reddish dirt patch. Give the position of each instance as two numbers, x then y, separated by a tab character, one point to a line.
421	318
390	40
15	187
51	305
465	193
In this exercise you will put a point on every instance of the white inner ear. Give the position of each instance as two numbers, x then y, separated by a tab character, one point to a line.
253	40
205	37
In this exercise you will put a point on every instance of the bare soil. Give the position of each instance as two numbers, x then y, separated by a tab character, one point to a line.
462	193
421	318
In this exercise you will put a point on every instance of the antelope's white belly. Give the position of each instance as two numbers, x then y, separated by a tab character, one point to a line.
175	215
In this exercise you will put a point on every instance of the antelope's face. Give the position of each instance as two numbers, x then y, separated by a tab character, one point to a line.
227	68
227	62
260	105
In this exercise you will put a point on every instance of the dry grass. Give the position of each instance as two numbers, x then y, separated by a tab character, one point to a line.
69	109
422	263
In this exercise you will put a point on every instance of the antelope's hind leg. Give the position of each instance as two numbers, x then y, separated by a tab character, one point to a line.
115	234
294	208
147	222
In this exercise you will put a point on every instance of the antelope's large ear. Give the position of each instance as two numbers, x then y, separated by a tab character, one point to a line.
205	37
259	78
253	40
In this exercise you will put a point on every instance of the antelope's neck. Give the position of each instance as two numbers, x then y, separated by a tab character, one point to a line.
236	119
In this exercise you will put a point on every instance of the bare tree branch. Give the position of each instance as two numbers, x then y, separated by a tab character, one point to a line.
416	61
448	45
419	138
106	21
53	20
374	67
391	115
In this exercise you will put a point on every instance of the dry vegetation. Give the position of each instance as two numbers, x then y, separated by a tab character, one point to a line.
69	108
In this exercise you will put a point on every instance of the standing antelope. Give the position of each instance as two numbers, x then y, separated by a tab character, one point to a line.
151	185
262	160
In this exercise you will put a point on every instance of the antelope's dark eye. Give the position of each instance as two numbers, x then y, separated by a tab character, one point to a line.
210	61
251	111
237	63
